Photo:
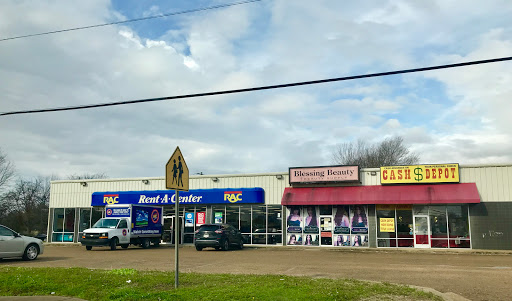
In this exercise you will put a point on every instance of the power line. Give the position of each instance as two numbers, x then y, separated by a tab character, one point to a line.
314	82
132	20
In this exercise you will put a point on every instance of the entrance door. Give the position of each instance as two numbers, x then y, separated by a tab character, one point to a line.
326	230
168	235
421	231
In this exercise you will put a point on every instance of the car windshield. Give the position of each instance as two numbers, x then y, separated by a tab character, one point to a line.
208	228
106	223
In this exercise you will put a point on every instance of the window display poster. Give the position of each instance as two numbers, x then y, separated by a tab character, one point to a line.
341	220
359	220
218	217
342	240
387	224
311	239
359	240
189	219
294	220
294	239
200	218
311	220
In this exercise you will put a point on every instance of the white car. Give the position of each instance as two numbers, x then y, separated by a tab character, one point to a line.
12	244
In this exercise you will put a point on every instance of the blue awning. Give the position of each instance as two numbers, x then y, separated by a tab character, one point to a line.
191	197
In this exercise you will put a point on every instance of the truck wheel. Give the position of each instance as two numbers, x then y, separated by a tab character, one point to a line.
113	243
145	243
225	245
199	248
88	248
156	242
124	246
241	244
31	252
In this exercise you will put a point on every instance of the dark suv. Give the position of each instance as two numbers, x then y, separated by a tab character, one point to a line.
218	236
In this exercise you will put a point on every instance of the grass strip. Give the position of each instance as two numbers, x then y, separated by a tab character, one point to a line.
131	284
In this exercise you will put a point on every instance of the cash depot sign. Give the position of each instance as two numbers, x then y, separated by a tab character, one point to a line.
324	174
416	174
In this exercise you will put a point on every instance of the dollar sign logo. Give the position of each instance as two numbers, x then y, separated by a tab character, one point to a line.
417	172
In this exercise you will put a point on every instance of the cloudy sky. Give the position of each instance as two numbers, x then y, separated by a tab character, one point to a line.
460	115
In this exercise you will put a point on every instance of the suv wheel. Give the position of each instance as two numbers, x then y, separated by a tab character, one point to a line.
225	245
199	248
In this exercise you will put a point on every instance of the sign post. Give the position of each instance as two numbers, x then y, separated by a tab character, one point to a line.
176	177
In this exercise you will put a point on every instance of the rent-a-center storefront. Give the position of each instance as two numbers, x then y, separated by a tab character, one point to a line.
421	206
469	207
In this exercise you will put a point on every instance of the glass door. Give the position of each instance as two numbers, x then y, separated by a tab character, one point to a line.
326	230
421	231
168	230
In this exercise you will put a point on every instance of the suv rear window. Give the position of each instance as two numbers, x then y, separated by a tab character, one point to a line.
208	228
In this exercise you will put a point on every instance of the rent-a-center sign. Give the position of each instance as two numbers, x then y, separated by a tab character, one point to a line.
324	174
420	174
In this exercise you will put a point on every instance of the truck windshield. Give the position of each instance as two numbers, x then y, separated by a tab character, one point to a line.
106	223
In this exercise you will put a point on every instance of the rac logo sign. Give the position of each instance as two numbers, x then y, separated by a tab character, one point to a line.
233	196
110	199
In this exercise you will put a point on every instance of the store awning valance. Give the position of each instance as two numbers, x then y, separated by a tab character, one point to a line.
403	194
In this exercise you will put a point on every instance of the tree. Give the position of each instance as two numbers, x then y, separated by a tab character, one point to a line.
24	207
7	171
391	151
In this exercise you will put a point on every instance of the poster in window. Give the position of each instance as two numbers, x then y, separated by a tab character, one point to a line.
359	240
359	220
294	220
294	239
218	217
311	240
341	220
311	220
342	240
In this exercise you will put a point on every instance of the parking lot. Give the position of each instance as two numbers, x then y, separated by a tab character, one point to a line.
475	275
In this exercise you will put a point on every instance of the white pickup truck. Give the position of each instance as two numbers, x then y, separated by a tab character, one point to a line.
124	225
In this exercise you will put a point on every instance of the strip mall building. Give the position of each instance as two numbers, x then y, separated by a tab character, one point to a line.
420	206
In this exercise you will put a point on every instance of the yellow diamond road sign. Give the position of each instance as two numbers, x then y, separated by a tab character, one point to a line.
176	172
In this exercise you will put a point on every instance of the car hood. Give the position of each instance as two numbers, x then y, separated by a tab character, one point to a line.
31	239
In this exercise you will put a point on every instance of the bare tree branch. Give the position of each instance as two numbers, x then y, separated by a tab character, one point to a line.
391	151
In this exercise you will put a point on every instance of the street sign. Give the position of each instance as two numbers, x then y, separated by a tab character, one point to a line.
176	172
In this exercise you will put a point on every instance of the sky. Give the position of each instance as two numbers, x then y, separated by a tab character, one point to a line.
459	115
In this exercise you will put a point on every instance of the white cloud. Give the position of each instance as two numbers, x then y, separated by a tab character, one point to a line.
458	115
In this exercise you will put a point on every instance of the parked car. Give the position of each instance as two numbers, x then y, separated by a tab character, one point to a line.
218	236
12	244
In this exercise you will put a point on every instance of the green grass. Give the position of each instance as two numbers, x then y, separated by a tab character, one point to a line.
130	284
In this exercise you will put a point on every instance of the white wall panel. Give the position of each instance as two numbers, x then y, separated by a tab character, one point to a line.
493	182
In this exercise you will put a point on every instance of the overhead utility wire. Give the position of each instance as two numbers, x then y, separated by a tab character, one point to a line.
262	87
132	20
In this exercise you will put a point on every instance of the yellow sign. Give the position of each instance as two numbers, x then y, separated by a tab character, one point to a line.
420	174
387	224
176	172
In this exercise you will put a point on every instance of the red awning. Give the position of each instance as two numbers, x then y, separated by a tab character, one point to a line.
403	194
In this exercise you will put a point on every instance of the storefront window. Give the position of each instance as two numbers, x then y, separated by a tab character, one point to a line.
259	224
404	226
438	227
97	213
85	219
458	226
233	216
274	225
386	228
245	223
219	213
